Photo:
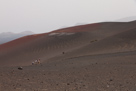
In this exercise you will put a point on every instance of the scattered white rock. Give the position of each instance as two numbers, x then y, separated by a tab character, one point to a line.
60	34
108	86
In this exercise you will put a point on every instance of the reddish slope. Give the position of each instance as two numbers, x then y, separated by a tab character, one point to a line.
81	28
25	50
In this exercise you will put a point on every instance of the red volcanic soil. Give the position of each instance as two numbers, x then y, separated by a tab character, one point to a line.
45	46
19	41
30	44
30	38
93	57
81	28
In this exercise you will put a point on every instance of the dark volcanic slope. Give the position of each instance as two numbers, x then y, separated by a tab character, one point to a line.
75	41
121	42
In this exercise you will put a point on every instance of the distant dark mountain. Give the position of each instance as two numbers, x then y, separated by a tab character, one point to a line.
9	36
127	19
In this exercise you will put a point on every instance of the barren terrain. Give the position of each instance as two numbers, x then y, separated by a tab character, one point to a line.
93	57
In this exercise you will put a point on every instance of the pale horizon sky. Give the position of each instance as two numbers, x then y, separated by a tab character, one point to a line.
42	16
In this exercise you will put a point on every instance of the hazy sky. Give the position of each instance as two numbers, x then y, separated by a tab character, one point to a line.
47	15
